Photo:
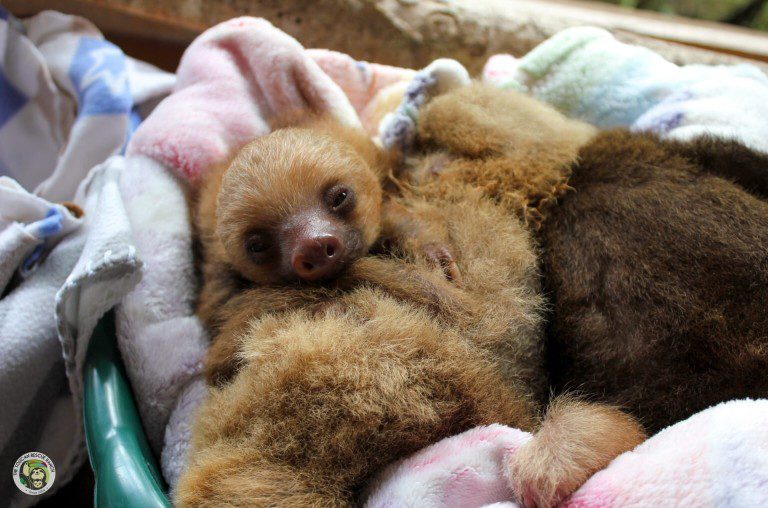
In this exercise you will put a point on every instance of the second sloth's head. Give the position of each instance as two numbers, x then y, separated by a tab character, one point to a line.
299	204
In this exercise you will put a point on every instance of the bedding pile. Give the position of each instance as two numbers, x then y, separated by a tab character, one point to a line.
69	101
82	103
718	457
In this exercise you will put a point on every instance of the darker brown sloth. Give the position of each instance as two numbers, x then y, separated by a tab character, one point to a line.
656	263
322	384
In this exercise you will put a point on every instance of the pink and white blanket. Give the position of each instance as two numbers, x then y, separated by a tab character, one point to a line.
718	457
232	82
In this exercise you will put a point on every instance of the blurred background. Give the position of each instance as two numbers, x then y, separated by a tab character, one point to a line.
412	33
747	13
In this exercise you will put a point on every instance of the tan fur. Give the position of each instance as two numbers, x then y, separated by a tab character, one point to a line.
520	153
253	188
575	440
515	149
389	359
272	178
338	380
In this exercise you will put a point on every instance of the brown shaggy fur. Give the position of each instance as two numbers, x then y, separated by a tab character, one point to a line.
339	379
657	263
658	271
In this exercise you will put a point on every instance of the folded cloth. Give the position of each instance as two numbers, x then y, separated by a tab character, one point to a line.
463	470
67	101
47	318
27	222
361	82
586	73
234	82
718	457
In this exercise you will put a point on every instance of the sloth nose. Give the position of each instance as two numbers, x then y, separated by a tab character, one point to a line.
317	258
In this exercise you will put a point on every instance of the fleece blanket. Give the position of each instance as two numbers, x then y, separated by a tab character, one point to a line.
233	82
68	101
587	74
718	457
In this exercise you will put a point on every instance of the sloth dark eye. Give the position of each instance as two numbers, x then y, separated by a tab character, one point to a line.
340	198
258	243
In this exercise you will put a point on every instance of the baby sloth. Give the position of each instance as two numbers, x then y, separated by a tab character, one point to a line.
278	214
654	252
294	208
316	385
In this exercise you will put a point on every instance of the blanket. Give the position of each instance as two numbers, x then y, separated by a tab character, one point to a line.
67	103
587	74
718	457
233	82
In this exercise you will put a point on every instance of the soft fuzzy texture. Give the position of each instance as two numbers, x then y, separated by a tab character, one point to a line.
362	82
395	91
633	289
715	458
276	188
500	144
390	354
396	358
526	176
468	469
656	308
70	101
47	316
430	120
389	357
587	74
234	82
398	128
657	267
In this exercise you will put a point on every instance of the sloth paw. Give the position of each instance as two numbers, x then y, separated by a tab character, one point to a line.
439	255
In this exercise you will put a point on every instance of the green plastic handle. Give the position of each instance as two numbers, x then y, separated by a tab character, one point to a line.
124	467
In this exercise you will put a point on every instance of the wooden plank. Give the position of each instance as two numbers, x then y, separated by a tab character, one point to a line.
410	33
118	18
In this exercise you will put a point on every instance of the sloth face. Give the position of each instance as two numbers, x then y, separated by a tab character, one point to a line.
38	478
